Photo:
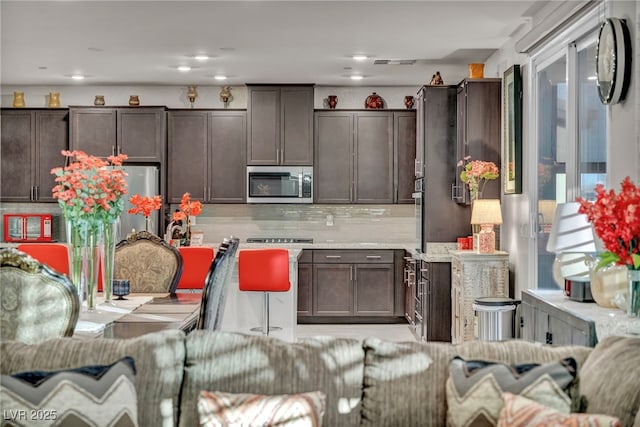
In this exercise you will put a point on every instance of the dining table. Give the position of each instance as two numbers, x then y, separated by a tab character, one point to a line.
139	314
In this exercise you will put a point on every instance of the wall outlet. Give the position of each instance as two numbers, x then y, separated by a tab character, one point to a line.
329	220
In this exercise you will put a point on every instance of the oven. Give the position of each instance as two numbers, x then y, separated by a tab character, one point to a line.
279	184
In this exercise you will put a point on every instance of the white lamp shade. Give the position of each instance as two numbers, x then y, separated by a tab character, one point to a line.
486	211
571	231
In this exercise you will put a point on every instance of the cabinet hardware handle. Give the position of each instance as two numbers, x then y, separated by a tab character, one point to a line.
37	192
113	150
333	256
204	191
350	274
374	256
351	193
33	192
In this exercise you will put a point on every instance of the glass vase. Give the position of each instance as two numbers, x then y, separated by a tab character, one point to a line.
633	306
110	233
85	250
76	231
93	251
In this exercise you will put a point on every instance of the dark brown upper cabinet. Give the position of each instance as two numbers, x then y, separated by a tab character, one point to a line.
359	155
279	125
31	145
479	131
404	136
138	132
207	155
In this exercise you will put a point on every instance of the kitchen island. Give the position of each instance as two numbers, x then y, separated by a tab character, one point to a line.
243	310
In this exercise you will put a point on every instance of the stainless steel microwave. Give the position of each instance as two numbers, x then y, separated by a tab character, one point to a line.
279	184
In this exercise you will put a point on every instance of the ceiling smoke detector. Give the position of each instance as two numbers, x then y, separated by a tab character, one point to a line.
394	62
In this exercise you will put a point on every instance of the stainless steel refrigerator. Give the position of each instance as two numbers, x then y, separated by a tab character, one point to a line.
143	180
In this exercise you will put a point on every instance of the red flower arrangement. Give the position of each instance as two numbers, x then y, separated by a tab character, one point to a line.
188	208
616	220
144	205
90	188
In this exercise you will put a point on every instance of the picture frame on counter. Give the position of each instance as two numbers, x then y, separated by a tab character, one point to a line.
512	130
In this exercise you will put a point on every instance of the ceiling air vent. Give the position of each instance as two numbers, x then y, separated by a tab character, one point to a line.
394	62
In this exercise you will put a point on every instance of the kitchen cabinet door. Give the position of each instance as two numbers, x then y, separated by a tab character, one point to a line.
227	161
18	156
333	162
332	290
404	135
93	130
305	290
374	290
138	132
438	303
280	125
141	134
52	136
263	128
32	141
296	125
479	130
373	154
187	163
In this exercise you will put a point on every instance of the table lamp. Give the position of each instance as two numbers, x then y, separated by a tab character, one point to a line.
486	213
572	239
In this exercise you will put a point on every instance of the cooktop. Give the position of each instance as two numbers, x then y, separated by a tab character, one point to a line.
279	240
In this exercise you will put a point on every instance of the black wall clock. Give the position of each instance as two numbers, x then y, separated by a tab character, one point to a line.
613	60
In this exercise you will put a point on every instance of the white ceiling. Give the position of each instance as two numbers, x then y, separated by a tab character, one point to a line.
143	42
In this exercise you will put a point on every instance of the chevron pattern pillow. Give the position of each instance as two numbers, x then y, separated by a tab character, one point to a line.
475	387
218	409
519	411
91	396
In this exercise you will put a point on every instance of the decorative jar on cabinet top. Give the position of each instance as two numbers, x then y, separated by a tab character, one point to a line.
18	99
54	99
332	101
373	102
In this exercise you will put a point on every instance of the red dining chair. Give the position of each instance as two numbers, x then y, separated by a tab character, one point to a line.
196	261
264	270
55	255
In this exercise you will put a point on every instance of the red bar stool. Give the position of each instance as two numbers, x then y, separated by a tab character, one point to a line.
196	261
55	255
264	270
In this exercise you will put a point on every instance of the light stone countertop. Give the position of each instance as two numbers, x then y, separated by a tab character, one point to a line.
436	252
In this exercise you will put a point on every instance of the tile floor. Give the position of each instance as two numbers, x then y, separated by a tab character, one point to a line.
394	332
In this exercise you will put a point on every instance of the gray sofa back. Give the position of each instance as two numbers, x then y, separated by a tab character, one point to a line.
255	364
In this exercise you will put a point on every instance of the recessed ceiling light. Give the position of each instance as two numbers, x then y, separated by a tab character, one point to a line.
184	68
356	77
201	57
42	67
77	77
220	77
360	57
592	78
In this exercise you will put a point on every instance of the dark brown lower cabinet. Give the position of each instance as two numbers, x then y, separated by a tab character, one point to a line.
350	286
435	286
333	290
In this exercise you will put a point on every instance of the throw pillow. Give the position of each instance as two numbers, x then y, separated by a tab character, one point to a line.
475	387
103	395
609	378
218	409
519	411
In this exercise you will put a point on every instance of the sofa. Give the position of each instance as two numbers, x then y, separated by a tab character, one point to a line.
367	382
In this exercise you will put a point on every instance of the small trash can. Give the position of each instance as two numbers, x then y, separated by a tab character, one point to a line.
495	318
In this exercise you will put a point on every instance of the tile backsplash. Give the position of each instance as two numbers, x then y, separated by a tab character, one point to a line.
323	223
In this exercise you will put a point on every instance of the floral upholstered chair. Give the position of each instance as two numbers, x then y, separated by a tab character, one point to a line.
37	302
149	263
